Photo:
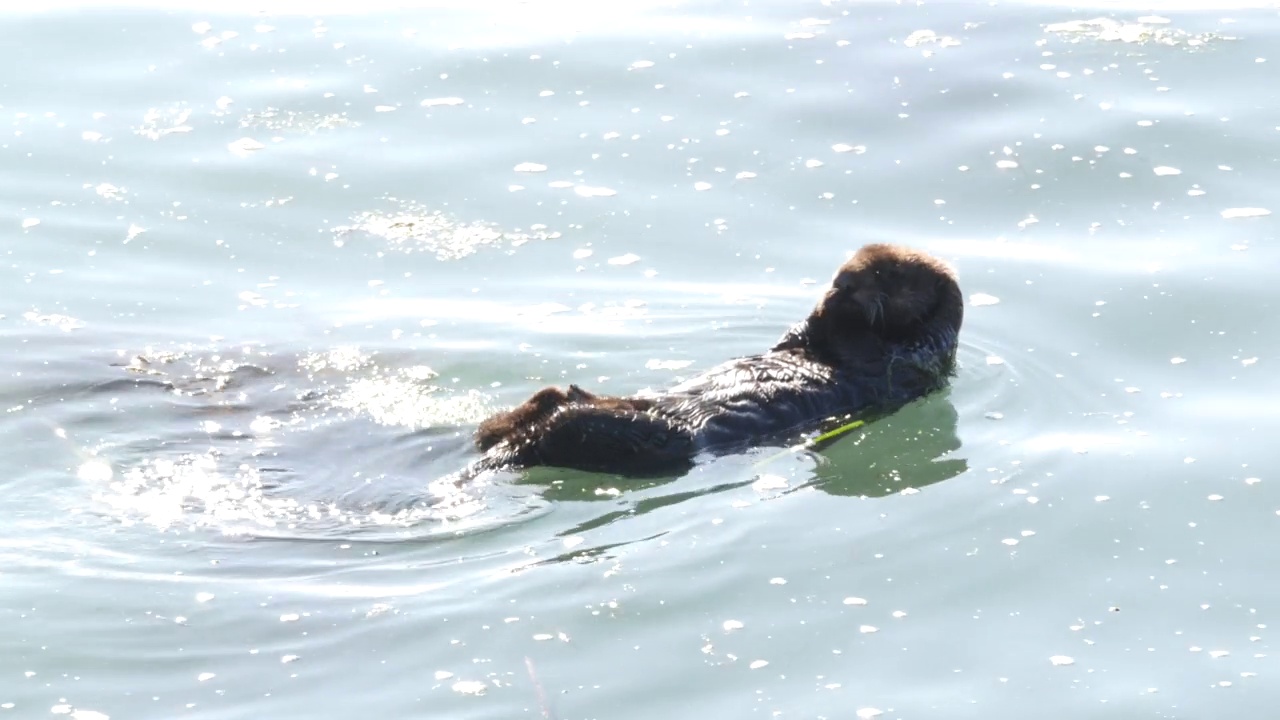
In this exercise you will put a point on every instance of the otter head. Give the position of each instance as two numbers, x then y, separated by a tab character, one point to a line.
893	294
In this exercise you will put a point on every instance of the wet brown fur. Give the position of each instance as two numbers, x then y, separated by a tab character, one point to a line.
541	406
883	334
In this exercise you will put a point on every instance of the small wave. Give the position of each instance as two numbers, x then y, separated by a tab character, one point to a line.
327	444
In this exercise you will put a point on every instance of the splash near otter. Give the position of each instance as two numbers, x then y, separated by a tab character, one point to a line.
885	333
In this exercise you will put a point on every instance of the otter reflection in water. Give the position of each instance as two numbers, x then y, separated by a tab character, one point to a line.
884	334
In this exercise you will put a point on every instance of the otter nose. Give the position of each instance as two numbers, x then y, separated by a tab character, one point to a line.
868	301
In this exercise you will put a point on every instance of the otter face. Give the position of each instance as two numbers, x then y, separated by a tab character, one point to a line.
890	290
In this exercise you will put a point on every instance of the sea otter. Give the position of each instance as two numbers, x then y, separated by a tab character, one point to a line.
884	334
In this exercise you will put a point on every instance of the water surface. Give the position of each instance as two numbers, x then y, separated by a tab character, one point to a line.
266	272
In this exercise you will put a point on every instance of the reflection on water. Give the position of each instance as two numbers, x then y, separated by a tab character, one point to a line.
917	438
909	450
413	228
901	453
333	444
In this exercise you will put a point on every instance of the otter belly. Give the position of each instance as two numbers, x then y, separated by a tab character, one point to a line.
759	396
739	421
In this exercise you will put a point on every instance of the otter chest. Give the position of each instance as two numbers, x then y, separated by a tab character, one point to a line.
759	396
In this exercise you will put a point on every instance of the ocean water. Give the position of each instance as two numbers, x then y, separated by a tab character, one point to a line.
266	270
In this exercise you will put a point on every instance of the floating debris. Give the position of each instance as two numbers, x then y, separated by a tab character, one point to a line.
1245	212
470	687
245	146
413	228
927	37
769	482
109	191
667	364
1146	30
589	191
277	120
158	122
65	323
627	259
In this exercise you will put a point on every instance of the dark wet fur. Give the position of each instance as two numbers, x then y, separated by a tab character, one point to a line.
523	422
884	334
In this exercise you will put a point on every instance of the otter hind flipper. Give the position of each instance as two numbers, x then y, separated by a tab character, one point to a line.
612	436
510	423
